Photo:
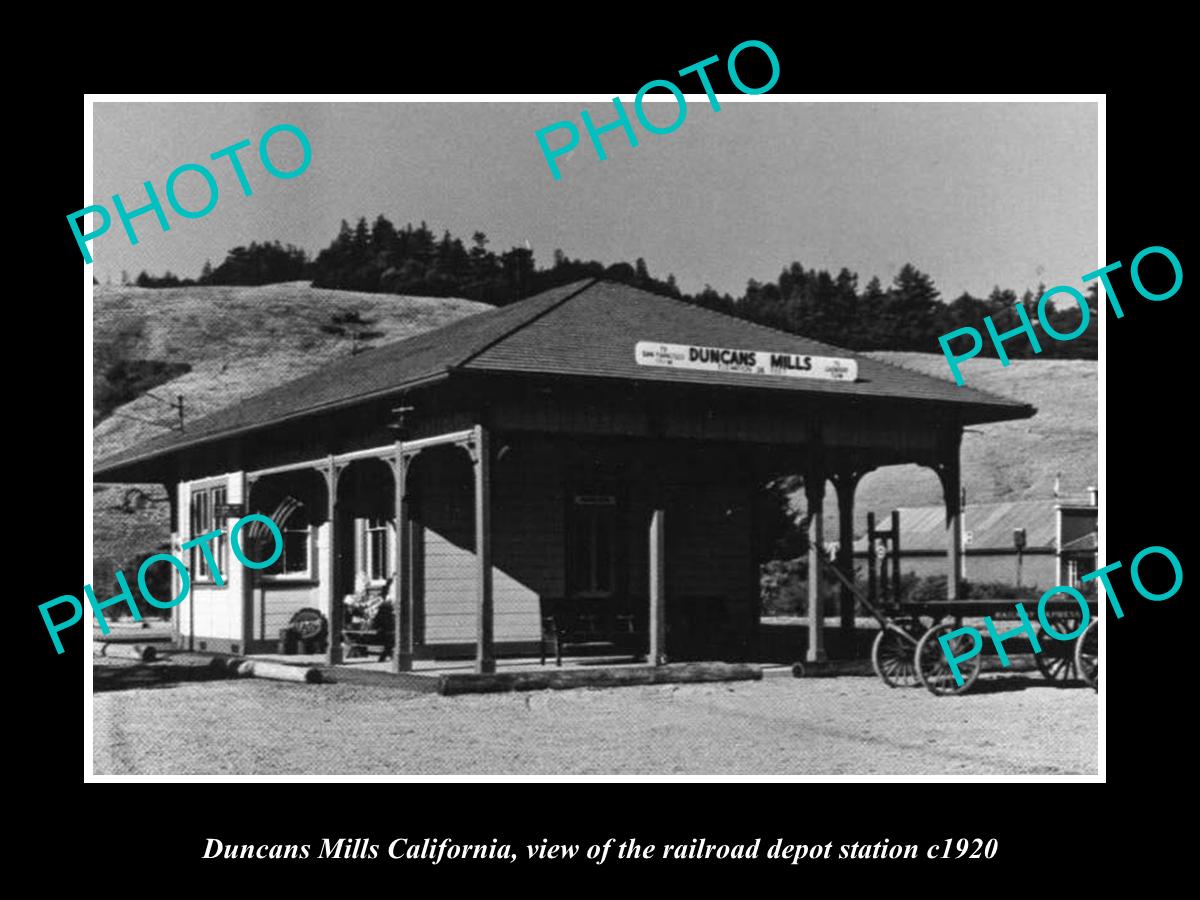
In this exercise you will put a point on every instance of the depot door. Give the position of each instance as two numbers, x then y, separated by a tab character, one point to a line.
595	546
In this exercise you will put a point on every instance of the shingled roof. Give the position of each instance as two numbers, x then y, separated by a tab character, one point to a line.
584	329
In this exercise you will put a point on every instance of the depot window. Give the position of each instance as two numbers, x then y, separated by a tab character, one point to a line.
205	518
295	525
378	545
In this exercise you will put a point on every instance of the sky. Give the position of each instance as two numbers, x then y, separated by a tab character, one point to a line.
974	194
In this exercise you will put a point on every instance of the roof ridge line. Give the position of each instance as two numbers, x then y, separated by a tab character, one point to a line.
522	324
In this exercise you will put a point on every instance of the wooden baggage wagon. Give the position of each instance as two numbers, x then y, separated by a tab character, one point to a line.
907	651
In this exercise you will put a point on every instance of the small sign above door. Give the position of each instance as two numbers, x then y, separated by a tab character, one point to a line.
595	500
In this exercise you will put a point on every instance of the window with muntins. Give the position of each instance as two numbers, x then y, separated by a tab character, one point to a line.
205	501
378	547
295	525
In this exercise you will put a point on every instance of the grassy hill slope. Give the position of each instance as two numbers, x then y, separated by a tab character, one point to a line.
237	340
1005	460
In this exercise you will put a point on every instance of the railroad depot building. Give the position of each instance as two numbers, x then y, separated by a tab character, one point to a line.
590	453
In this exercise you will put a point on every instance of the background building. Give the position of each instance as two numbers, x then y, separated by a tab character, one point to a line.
1059	541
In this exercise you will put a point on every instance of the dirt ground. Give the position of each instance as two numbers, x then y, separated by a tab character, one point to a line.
177	720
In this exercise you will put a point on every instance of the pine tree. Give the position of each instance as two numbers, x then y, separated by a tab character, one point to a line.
913	310
362	236
383	239
480	257
872	336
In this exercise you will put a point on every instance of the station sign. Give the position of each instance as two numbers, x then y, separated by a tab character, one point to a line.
748	362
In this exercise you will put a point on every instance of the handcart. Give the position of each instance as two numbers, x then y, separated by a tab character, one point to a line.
908	650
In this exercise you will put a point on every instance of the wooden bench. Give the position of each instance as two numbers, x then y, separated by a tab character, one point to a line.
570	625
358	643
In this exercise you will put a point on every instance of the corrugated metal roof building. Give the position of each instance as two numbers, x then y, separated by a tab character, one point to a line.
989	547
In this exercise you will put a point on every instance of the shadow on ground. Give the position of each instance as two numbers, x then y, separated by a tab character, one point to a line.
151	675
986	685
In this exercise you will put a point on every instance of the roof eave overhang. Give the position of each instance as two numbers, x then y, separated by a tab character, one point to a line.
152	465
147	466
964	412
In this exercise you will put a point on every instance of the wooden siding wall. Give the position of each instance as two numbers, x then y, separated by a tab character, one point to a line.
709	543
276	600
773	422
709	553
445	514
527	549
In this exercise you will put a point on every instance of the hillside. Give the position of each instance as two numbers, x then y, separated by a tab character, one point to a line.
238	341
1006	460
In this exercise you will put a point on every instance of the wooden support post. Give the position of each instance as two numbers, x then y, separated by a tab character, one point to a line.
896	555
845	483
176	583
402	618
657	655
249	577
484	652
185	520
872	584
416	569
176	588
754	607
814	490
949	472
333	653
954	548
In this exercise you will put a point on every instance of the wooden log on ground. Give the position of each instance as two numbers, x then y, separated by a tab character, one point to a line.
226	665
693	672
140	652
473	683
597	677
258	668
240	667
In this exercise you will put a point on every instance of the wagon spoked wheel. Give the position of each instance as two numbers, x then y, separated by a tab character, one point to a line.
934	668
1056	662
1087	655
894	657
